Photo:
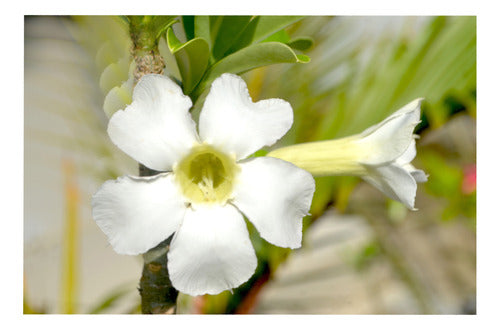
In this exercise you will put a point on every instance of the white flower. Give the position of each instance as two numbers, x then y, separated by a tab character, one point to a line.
381	155
206	185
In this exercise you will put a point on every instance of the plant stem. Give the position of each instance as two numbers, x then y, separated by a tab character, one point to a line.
145	47
158	296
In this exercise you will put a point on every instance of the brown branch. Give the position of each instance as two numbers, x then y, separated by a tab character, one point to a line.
158	296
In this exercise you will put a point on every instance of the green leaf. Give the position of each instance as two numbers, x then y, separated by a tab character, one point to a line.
188	24
172	41
227	33
161	24
301	43
191	57
251	57
202	29
260	28
214	23
268	25
280	36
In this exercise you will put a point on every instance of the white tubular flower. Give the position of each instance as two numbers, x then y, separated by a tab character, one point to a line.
205	186
381	155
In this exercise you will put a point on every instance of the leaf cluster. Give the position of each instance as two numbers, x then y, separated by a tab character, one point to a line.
204	47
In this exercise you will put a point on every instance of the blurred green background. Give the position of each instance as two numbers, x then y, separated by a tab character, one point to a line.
362	253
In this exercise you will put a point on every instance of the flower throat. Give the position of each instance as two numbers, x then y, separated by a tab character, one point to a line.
206	175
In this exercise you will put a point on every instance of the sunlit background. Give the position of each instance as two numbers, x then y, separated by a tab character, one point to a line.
362	253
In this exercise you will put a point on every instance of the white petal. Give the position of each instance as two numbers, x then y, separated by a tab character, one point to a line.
156	129
405	110
232	122
389	139
419	175
405	159
275	195
138	213
211	252
408	155
394	181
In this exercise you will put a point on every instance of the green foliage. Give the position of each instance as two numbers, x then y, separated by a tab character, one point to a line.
107	39
302	43
202	29
200	48
248	58
262	27
229	44
192	59
226	31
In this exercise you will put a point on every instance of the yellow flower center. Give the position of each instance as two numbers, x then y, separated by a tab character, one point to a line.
206	175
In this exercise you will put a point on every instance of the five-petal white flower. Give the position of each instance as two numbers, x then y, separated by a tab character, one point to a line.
205	182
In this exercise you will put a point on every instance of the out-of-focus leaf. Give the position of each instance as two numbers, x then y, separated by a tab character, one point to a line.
446	181
446	177
108	54
227	33
118	98
114	74
105	37
252	57
110	300
366	255
191	57
215	304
